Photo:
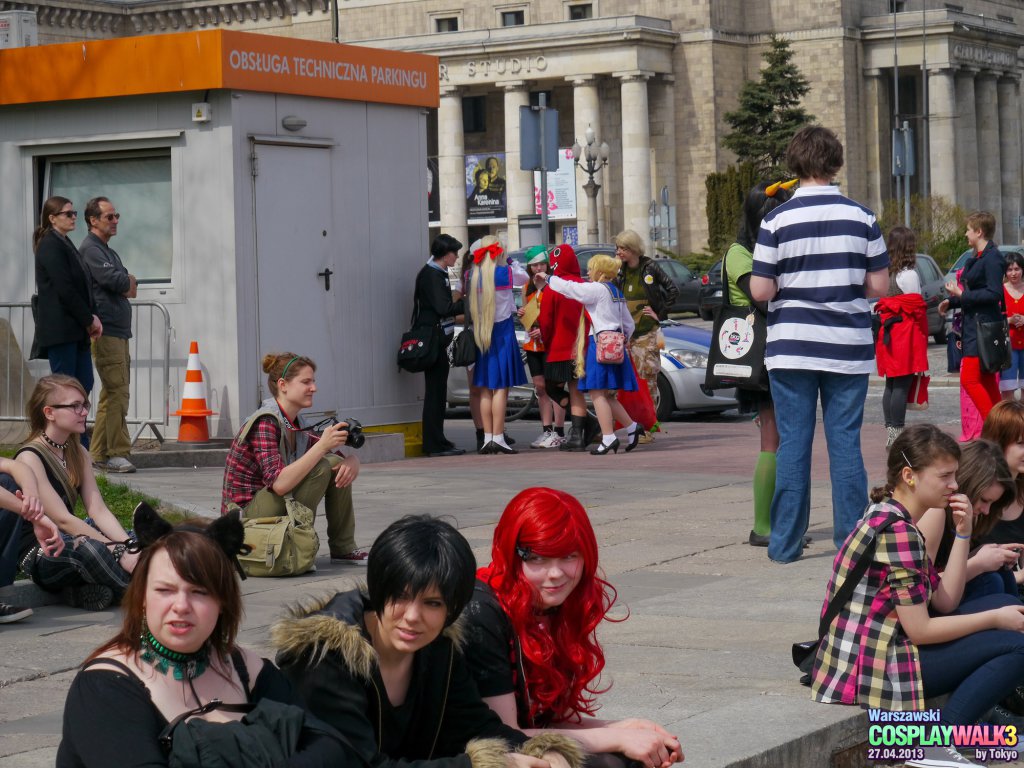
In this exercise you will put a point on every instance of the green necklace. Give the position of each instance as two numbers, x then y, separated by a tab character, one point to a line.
186	666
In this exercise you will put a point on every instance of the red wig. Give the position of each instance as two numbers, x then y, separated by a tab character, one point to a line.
563	661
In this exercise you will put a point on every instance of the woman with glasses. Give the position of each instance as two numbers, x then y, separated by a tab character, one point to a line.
64	309
275	454
94	569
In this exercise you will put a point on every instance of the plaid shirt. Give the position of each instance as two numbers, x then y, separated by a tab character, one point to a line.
254	463
865	658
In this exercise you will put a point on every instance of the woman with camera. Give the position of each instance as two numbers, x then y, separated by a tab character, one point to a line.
274	454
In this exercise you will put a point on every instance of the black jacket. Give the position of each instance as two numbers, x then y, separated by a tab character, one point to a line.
661	291
982	299
110	283
434	297
327	655
66	304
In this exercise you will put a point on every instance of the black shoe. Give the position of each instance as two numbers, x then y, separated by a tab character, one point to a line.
485	450
591	430
508	440
1014	703
499	448
479	440
12	613
604	448
757	540
91	597
447	452
634	439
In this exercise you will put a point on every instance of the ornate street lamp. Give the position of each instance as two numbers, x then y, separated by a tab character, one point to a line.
594	159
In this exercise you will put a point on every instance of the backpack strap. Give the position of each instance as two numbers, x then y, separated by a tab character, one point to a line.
112	663
238	662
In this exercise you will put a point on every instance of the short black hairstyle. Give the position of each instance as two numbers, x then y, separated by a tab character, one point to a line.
1013	257
416	553
444	244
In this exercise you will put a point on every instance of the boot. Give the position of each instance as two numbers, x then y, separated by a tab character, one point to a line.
574	442
591	431
479	440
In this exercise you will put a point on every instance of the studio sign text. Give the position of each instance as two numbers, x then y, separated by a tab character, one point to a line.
513	65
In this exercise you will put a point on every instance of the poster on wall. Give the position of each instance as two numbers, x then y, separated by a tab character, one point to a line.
561	188
570	234
485	188
433	193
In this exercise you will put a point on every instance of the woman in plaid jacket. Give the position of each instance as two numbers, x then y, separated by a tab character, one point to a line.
886	648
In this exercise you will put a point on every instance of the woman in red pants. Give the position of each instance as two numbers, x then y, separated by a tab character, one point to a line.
980	295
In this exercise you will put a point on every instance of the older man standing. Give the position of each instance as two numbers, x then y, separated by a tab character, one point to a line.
818	259
112	287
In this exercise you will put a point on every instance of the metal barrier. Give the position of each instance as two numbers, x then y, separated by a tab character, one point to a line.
150	349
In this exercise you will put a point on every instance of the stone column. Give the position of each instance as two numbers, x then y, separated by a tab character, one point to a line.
965	147
942	133
990	196
586	112
1010	157
636	152
451	164
877	129
518	183
665	171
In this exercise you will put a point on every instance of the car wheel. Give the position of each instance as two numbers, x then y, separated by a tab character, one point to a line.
706	314
513	412
664	401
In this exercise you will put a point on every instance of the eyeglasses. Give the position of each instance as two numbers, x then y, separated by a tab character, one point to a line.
78	407
111	216
70	214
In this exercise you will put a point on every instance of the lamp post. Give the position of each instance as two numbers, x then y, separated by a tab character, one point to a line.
594	159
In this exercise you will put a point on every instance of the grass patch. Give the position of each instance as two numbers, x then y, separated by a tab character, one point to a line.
122	500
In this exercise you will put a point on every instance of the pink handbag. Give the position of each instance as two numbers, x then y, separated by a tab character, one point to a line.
611	347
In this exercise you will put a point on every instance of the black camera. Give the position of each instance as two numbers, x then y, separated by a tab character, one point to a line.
356	438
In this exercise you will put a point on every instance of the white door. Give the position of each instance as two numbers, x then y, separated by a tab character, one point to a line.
296	273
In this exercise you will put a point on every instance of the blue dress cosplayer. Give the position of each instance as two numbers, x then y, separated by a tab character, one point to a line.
499	364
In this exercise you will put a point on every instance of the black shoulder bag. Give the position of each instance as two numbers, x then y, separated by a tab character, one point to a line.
420	344
739	336
994	352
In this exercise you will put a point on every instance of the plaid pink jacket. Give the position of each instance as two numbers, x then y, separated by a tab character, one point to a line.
865	658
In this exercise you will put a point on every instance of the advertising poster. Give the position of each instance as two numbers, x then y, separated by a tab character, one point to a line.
433	192
485	188
561	188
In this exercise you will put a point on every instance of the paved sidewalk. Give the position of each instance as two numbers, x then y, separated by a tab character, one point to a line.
706	647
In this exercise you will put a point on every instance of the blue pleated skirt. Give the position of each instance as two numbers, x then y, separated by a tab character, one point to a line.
603	376
501	366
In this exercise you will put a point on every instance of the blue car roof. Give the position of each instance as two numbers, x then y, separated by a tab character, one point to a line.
688	333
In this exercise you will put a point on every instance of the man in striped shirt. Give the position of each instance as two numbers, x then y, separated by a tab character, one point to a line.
818	259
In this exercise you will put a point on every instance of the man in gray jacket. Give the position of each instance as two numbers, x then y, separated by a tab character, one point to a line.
112	287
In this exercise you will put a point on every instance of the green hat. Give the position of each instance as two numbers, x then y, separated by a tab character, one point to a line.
536	254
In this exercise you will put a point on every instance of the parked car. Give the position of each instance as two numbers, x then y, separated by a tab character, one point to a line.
933	290
962	260
687	285
710	294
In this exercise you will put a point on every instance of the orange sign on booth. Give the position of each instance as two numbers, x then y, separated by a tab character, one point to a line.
212	59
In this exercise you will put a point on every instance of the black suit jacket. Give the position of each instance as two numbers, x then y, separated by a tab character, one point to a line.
434	297
66	304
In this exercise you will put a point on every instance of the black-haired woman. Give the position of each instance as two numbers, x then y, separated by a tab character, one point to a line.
436	309
1012	378
383	667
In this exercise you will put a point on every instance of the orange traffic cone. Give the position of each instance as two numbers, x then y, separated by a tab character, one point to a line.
193	411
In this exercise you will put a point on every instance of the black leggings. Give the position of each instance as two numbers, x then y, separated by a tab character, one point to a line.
894	399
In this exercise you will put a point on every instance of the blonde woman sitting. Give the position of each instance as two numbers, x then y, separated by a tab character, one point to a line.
606	306
499	364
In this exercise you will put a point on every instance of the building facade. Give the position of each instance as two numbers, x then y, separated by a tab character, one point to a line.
654	80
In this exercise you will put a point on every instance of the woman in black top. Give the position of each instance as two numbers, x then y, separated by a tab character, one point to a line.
435	308
66	319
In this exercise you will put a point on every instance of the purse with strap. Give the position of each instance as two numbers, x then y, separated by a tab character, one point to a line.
611	345
420	345
994	352
280	546
739	337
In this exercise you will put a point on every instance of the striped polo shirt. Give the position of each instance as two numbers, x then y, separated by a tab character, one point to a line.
818	247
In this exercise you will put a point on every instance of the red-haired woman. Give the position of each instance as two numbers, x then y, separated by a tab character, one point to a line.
532	645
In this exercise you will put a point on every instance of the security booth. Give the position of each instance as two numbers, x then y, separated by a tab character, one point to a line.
273	195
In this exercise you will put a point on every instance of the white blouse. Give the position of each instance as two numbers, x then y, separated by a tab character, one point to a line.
605	313
504	298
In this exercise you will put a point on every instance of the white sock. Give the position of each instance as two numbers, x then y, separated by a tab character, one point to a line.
500	440
632	428
608	439
488	437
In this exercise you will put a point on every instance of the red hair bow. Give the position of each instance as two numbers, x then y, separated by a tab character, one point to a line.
493	250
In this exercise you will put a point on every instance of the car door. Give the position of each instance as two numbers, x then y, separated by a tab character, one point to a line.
933	290
687	285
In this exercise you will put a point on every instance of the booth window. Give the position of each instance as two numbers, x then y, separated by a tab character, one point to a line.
581	11
447	23
513	18
139	185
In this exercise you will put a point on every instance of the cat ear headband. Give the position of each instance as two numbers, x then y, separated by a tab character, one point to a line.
226	531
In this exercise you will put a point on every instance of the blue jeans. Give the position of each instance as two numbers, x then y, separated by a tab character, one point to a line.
842	406
980	669
73	359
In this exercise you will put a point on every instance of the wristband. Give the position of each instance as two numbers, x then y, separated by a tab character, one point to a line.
118	551
963	537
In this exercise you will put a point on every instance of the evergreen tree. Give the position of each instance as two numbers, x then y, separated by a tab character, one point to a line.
769	112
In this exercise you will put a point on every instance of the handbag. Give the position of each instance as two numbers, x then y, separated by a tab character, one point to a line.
611	345
917	395
462	350
420	345
739	337
281	546
993	345
804	652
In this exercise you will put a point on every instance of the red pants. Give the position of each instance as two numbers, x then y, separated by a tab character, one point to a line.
983	388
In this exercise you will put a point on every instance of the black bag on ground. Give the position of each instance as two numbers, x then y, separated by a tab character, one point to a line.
994	345
739	336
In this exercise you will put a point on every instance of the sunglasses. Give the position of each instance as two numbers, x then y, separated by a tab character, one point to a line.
111	216
77	407
70	214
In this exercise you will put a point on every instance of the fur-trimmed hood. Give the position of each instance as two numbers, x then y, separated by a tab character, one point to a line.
335	624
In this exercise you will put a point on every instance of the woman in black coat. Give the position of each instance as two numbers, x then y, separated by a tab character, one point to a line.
65	315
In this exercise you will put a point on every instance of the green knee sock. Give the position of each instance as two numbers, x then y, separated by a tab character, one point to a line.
764	489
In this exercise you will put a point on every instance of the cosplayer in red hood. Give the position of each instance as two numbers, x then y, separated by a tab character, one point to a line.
560	317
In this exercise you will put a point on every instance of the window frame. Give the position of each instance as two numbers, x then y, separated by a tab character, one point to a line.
522	8
570	5
433	17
